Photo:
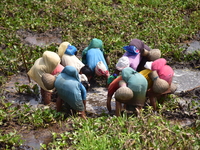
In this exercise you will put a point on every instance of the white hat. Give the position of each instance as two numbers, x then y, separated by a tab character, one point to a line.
122	63
101	69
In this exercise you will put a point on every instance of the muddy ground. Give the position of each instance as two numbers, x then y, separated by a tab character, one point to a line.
182	115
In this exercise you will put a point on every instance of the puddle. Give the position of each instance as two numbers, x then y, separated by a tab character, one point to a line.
40	39
96	102
34	139
192	46
182	122
186	79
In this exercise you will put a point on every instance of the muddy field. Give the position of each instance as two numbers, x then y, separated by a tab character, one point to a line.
96	98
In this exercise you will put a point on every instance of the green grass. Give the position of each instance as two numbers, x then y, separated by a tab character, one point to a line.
162	24
145	132
159	23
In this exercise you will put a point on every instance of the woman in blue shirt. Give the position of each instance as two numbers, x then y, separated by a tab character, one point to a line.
71	91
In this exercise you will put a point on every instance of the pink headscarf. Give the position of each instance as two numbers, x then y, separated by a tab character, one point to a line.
164	71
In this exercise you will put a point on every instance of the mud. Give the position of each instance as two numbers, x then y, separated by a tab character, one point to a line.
40	39
187	77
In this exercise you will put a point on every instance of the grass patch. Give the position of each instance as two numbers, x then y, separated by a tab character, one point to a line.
162	24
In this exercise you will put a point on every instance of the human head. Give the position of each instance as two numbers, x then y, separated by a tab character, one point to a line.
87	71
122	63
71	50
86	84
139	45
96	43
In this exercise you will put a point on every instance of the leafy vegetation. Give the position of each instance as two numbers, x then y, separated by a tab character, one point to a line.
162	24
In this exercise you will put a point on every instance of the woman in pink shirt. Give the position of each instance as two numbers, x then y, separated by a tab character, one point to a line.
164	72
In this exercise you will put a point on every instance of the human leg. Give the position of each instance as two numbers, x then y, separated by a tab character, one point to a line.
118	108
108	103
58	104
46	96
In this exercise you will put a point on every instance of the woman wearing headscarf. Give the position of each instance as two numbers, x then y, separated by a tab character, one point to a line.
93	56
71	91
138	84
161	76
48	63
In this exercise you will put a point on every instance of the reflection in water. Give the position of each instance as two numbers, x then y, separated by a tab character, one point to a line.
42	41
186	79
96	101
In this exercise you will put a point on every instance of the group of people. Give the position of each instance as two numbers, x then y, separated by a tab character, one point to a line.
140	73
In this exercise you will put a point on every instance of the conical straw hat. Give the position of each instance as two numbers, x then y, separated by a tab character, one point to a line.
154	54
48	80
123	94
153	75
145	53
173	87
160	85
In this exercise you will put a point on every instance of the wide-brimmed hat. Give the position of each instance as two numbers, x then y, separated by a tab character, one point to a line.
101	69
124	94
62	48
159	85
122	63
48	80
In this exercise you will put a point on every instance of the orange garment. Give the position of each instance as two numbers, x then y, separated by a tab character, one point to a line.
114	85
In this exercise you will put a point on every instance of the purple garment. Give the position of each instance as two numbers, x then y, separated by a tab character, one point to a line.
134	60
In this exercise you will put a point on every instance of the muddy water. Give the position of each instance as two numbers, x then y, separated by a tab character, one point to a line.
185	79
42	39
192	46
96	97
96	103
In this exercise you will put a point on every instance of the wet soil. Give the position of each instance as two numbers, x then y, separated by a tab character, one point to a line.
96	106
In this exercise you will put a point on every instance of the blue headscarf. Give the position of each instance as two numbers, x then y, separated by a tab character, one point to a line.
71	50
132	49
